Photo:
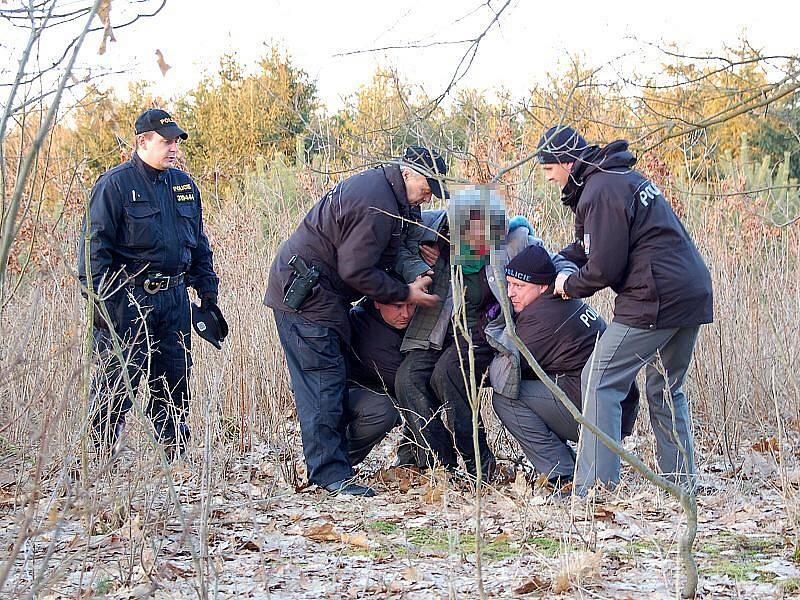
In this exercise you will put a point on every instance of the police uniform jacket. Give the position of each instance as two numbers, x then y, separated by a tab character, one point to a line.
561	336
352	235
628	238
374	355
140	224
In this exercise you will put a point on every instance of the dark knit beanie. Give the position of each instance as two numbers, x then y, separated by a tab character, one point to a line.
560	145
532	265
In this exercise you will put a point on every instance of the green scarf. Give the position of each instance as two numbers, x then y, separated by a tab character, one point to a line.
472	259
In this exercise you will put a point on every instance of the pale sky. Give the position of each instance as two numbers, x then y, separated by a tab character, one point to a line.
532	38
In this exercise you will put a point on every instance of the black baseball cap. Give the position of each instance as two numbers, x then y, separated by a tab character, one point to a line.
428	162
210	325
155	119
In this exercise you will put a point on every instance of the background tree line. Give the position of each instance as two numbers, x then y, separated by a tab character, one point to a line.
240	114
723	130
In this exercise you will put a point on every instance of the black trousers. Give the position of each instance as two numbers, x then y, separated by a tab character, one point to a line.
432	395
315	357
370	416
156	342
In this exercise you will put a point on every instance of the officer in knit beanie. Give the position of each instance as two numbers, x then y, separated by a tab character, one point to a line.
560	144
532	265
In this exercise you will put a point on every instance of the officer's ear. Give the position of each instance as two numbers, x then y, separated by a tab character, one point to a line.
141	138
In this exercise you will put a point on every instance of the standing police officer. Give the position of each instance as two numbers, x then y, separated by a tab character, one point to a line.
628	238
146	245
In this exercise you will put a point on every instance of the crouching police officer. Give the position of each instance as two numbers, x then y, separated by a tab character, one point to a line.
340	252
146	245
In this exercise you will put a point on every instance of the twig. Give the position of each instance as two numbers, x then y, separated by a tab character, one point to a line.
684	496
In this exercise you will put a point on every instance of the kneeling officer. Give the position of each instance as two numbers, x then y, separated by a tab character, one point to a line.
146	245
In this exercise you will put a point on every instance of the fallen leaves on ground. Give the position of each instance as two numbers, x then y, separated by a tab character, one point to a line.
327	533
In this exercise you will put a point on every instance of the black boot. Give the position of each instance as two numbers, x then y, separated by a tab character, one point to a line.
561	485
349	488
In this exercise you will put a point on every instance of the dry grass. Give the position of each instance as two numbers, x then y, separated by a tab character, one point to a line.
247	456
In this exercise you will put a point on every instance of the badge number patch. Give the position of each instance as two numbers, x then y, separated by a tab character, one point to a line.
183	192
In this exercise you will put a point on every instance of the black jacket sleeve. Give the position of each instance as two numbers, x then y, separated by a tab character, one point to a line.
365	234
606	225
105	214
575	253
201	272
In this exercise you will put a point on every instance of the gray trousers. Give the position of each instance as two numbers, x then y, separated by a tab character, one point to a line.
619	355
541	425
370	415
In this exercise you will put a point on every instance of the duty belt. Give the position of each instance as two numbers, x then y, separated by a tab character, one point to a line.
158	282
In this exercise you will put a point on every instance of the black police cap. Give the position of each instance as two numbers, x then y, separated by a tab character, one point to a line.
428	162
160	121
210	324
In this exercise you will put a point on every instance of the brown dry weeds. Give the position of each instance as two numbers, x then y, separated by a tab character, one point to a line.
239	528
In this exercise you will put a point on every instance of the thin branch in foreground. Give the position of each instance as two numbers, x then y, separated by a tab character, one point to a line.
685	496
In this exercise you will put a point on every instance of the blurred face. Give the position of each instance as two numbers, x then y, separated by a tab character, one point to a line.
417	189
159	152
475	235
522	293
397	314
558	173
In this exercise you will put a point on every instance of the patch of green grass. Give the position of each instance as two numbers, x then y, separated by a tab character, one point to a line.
384	527
752	546
439	540
493	550
711	550
743	544
639	546
796	554
735	570
104	585
548	546
381	553
736	555
428	537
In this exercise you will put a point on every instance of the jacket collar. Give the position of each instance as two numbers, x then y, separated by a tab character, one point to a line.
149	172
615	156
395	179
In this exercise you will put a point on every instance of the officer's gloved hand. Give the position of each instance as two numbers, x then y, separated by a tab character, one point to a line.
207	299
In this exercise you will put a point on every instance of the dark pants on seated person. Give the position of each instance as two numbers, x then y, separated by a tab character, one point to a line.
542	424
370	415
432	395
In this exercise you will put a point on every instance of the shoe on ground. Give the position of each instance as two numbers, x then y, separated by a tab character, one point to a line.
560	485
488	469
347	487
